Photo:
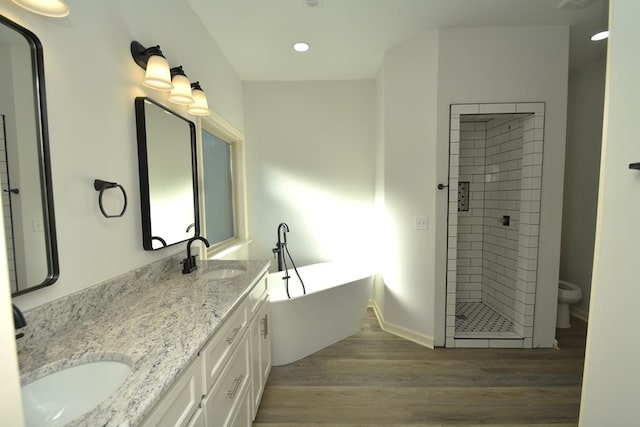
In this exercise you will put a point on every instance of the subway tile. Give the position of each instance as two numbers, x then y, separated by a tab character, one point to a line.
518	329
528	331
471	343
505	343
454	122
539	122
497	108
451	309
464	109
538	146
530	107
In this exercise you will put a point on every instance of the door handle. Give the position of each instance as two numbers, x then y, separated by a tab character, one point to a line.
441	186
12	190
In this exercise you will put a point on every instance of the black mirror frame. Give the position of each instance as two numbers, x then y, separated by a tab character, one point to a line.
46	183
143	169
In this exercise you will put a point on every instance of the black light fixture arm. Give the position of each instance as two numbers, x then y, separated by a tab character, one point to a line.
177	71
142	54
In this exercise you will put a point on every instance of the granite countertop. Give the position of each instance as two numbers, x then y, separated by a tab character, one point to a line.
155	324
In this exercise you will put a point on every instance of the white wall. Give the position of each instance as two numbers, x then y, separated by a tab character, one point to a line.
610	386
584	142
525	64
408	84
10	396
91	82
311	163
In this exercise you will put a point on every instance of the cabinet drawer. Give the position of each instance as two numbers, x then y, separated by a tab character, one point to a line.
217	351
230	388
256	295
181	401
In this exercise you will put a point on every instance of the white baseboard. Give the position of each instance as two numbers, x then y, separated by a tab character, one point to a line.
580	314
400	331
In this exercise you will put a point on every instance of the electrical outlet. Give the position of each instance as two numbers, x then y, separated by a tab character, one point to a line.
422	223
37	225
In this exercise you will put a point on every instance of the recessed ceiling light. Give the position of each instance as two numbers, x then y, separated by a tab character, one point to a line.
600	36
301	46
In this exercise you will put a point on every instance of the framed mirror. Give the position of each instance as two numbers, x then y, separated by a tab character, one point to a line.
25	167
168	175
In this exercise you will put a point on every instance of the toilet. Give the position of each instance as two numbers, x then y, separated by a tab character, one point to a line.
568	293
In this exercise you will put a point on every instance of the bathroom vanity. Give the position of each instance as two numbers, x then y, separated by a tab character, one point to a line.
198	345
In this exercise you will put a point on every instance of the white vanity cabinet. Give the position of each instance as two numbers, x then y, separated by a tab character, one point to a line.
260	342
222	387
181	402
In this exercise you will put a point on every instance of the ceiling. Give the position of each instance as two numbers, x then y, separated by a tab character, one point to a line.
349	37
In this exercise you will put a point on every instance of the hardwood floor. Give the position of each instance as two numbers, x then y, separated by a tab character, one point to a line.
376	379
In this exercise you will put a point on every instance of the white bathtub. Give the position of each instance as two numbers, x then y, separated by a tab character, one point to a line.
333	309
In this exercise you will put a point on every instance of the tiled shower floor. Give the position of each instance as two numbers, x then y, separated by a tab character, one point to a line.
478	320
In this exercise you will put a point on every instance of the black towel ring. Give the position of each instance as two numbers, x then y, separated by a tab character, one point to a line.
101	186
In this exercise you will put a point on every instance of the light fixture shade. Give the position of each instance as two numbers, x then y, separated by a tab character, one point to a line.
181	92
200	107
158	75
51	8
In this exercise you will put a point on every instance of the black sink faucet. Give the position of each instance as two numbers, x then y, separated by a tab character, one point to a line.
18	320
189	263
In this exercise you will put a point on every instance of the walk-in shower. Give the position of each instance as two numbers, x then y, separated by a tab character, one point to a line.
495	180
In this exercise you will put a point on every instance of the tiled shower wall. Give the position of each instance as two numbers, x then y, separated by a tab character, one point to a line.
473	138
526	217
6	206
502	198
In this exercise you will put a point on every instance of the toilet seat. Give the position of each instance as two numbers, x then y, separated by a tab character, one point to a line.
568	292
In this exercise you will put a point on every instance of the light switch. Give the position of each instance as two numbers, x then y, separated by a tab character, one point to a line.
422	223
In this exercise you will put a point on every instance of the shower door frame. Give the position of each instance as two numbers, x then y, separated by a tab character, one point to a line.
530	197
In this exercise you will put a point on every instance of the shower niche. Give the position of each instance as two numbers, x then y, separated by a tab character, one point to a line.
496	151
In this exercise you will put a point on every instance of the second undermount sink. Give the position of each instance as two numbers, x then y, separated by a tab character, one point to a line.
223	273
63	396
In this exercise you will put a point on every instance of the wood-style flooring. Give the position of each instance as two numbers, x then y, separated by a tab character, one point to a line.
377	379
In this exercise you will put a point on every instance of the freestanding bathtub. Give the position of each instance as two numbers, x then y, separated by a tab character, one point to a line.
333	308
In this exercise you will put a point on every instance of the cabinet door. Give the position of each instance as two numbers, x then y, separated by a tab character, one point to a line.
220	404
198	419
244	416
260	354
182	400
265	343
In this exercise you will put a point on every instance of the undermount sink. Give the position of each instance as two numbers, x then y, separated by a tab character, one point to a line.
64	395
223	273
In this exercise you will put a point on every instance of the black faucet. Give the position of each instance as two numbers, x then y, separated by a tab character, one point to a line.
18	320
278	251
189	263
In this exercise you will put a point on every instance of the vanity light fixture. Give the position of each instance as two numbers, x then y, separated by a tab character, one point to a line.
151	59
50	8
200	107
601	35
181	92
159	76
